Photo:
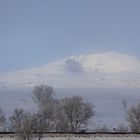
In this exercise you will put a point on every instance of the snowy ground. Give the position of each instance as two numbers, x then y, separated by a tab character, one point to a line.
95	137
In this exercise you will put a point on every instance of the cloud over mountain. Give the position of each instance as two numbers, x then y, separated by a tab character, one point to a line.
94	70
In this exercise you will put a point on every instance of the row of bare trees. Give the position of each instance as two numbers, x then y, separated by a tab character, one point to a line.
70	114
67	114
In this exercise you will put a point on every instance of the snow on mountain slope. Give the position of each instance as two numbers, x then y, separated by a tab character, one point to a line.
94	70
104	79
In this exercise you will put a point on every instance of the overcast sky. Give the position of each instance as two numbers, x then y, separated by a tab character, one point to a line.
37	32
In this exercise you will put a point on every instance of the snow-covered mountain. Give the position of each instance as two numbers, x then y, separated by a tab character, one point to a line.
103	79
94	70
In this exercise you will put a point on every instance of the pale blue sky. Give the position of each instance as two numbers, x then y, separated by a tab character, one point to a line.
37	32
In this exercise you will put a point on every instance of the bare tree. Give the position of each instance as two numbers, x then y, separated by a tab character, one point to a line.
23	124
26	129
61	121
16	120
3	122
42	94
77	112
39	125
133	117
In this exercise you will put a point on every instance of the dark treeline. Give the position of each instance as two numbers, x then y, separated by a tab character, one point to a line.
69	114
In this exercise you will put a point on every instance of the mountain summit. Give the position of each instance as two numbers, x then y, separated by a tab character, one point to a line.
94	70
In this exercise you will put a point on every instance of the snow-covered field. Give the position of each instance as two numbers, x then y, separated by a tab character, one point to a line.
94	137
